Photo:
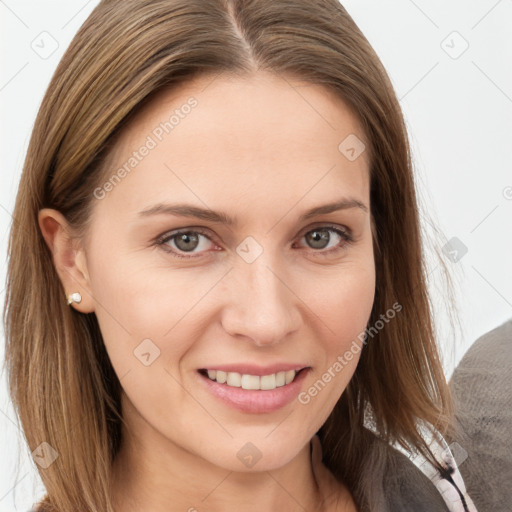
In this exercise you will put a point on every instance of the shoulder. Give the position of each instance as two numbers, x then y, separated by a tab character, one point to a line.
404	482
482	391
493	349
407	487
403	486
445	477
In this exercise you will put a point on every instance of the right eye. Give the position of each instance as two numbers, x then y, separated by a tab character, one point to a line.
183	241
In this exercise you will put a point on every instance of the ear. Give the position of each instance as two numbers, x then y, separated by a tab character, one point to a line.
68	257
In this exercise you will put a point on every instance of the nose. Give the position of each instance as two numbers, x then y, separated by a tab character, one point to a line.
260	303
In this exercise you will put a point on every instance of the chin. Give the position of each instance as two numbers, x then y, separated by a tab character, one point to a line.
245	456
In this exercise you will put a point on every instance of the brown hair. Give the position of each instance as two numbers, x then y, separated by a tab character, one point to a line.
61	381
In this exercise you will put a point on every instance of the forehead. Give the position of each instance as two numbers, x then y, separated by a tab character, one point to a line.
261	137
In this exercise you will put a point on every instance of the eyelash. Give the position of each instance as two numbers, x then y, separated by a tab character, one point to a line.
162	240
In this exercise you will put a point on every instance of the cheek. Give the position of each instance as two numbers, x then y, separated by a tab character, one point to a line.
351	302
346	307
135	295
136	303
343	301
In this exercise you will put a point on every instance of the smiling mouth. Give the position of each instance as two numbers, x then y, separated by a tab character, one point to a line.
254	382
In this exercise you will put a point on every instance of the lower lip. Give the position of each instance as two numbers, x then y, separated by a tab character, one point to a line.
256	401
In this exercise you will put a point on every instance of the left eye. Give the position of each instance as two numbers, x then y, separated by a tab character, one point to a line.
186	241
321	237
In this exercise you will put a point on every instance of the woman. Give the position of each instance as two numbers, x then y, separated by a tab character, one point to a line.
227	304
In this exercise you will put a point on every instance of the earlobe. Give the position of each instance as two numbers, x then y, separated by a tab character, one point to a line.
68	259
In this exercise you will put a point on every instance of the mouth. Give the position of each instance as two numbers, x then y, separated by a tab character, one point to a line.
250	393
252	382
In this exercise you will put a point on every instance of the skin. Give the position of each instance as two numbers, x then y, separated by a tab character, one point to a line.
263	152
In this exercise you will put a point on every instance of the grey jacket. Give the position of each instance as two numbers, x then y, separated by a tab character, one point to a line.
482	389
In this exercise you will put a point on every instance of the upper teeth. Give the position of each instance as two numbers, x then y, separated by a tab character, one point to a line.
246	381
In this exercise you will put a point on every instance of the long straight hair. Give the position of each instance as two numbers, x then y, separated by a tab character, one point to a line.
61	381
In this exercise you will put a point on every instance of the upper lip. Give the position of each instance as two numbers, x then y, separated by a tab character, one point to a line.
251	369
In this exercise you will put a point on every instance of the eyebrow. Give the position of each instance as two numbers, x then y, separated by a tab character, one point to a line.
187	210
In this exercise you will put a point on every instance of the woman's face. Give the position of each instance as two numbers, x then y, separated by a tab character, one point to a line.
278	289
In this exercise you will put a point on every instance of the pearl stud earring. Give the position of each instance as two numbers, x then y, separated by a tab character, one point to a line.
74	297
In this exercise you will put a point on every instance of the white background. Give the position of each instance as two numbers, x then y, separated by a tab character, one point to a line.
458	108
